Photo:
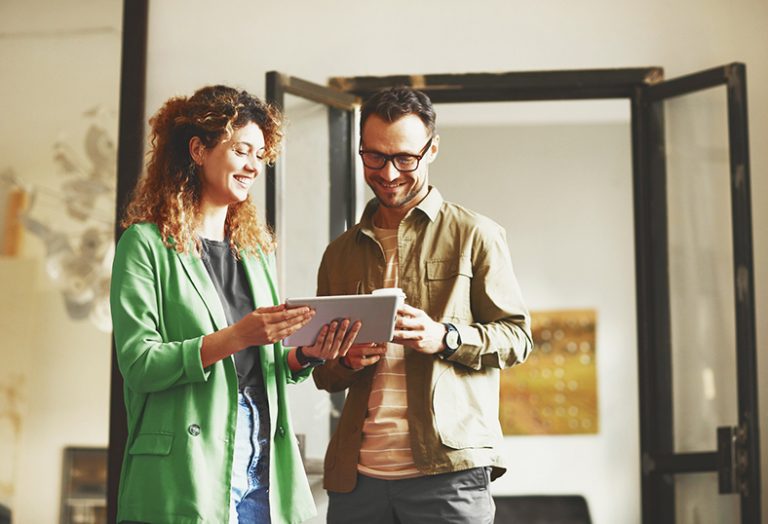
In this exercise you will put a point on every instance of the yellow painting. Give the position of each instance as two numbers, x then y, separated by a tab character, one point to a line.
554	392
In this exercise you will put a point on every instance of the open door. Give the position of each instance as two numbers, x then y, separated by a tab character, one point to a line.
311	198
329	116
696	309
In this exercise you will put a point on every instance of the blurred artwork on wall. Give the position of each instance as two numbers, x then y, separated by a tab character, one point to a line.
11	386
74	222
13	201
555	391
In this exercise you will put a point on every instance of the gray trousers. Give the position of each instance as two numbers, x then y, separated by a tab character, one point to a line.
461	497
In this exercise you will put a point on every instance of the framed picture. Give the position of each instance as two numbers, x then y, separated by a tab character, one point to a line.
84	486
555	391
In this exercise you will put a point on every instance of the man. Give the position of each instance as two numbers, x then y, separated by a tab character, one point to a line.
417	439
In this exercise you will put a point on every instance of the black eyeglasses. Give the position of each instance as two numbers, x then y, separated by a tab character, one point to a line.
403	162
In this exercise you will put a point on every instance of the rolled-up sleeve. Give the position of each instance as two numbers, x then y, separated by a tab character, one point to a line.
147	360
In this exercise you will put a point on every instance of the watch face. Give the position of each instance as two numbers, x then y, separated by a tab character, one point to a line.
452	339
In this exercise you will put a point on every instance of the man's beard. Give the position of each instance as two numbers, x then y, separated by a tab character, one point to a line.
406	199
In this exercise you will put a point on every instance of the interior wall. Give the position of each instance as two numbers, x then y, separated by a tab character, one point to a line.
61	64
563	192
192	44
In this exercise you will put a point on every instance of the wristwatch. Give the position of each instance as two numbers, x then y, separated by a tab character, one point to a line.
307	362
451	340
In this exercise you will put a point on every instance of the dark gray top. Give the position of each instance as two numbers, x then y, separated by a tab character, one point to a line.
231	283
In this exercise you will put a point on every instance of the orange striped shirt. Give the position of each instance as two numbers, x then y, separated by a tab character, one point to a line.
386	446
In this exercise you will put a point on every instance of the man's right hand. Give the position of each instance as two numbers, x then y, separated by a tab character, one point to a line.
363	355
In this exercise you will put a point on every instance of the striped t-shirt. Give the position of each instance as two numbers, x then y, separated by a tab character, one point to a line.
386	447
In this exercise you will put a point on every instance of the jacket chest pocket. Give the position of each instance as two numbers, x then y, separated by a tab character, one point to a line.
347	287
448	287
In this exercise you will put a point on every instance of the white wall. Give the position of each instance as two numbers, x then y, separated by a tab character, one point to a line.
563	192
59	60
192	44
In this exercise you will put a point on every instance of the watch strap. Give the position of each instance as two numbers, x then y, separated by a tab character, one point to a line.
448	351
306	361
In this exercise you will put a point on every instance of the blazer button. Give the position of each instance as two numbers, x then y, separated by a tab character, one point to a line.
194	430
281	431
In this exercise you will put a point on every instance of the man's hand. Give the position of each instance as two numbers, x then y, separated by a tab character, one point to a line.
362	355
416	330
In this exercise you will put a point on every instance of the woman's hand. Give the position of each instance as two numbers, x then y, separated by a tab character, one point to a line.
334	340
267	325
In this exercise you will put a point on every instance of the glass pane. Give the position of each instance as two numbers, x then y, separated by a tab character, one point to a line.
302	240
700	269
698	502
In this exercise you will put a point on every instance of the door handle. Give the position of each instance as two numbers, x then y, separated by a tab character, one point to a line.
732	460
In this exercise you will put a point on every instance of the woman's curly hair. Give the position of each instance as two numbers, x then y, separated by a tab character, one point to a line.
169	193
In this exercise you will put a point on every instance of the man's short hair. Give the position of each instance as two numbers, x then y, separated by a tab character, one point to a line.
393	103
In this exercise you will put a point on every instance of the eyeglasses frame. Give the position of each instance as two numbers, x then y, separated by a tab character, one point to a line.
391	158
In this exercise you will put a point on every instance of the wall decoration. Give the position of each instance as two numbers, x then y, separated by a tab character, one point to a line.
75	223
13	201
11	387
84	486
555	391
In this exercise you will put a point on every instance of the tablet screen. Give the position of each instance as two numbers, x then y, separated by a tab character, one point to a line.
376	312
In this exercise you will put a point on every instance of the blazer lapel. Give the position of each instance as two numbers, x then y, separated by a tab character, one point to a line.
198	275
264	294
260	278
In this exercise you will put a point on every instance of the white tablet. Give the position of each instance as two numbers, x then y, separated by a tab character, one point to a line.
376	312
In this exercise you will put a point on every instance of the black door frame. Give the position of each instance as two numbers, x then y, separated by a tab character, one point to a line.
645	89
342	114
130	160
737	458
342	109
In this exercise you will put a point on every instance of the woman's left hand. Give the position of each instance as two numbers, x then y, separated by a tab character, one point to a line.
334	340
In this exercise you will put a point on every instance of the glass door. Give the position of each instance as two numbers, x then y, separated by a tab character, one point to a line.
311	198
699	432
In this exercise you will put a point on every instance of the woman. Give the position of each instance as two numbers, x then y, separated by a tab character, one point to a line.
198	325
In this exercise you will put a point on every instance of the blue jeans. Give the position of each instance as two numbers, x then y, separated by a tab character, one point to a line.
249	494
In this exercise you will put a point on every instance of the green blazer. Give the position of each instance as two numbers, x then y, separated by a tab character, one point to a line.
181	417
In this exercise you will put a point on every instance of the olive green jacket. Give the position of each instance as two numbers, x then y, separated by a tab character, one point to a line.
182	417
455	265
